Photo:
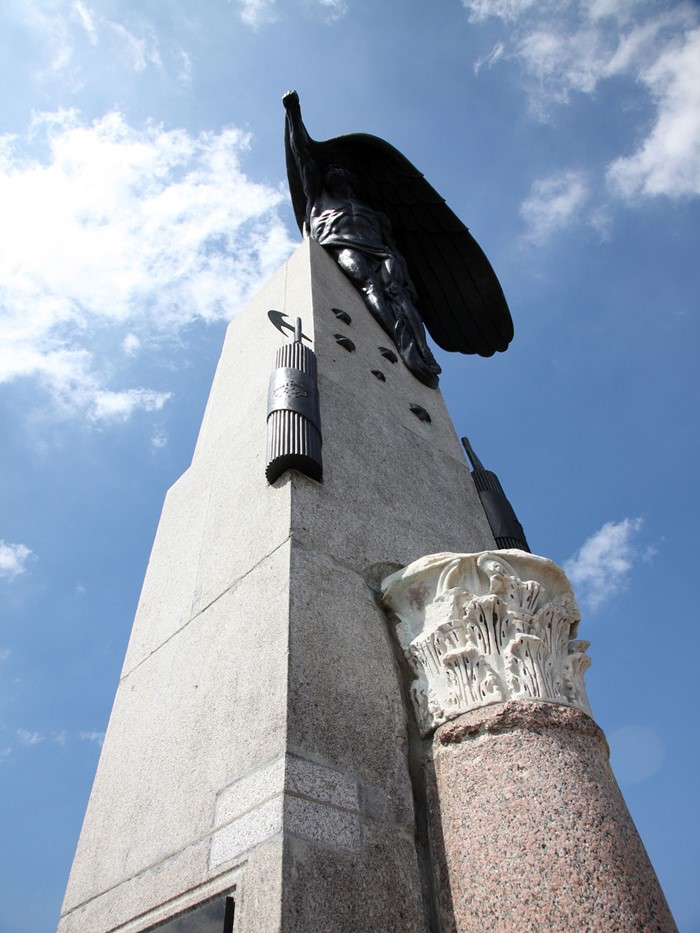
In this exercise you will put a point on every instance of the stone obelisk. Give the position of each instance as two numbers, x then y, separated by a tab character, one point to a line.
260	746
342	707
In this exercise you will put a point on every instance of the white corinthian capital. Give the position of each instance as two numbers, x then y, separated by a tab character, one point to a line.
487	628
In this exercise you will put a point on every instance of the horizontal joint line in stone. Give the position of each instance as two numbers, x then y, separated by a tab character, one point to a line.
150	867
229	589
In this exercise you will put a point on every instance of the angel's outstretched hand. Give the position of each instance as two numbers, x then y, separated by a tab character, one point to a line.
290	99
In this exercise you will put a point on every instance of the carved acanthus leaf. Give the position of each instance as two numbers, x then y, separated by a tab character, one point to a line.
485	628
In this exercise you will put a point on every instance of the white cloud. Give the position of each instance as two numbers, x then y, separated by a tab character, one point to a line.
111	233
4	654
600	568
668	161
13	559
131	344
553	203
29	738
119	406
96	737
59	737
566	48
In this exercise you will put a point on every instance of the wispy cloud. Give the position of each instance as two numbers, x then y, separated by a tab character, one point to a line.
119	406
61	737
184	67
74	37
601	566
159	439
493	57
568	48
258	13
336	8
140	51
96	737
113	235
668	161
131	344
553	204
13	560
86	20
29	738
4	654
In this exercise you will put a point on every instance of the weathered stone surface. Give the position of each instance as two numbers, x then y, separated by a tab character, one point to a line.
530	830
176	719
355	891
345	703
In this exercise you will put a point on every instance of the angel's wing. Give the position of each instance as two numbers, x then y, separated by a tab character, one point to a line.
459	297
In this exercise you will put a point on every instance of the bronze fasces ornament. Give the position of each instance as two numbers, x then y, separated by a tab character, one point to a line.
505	525
293	413
409	255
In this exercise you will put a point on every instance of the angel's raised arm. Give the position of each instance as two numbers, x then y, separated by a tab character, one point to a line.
309	170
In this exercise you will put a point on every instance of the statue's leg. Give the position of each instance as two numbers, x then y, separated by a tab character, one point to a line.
384	300
401	293
365	275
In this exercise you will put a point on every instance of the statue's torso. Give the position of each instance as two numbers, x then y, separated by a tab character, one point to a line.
345	218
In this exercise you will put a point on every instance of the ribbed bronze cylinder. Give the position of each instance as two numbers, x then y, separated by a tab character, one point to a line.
293	420
507	530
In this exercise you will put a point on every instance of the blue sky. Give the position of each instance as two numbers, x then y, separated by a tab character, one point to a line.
142	198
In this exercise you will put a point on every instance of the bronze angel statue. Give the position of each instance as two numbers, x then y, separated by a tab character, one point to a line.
391	233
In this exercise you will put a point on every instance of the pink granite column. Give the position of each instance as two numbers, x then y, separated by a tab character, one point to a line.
530	831
528	827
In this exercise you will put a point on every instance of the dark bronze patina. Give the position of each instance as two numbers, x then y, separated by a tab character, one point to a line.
506	528
392	234
293	414
277	319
